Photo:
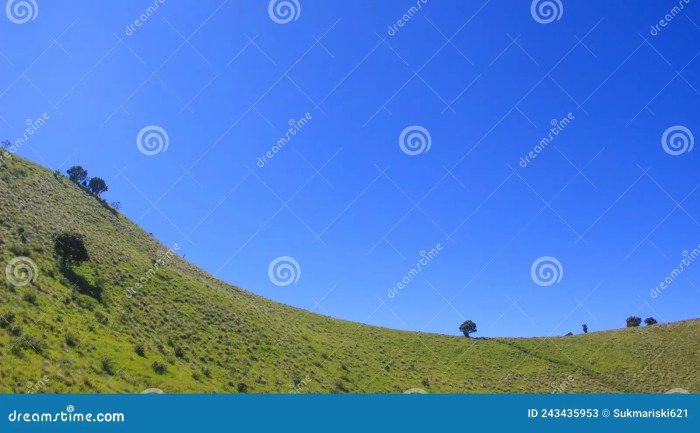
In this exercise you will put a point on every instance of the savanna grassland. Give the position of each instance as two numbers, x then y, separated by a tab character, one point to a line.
90	328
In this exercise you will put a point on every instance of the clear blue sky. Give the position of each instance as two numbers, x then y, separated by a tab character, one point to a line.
485	79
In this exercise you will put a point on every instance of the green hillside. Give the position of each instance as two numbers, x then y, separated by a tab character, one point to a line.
77	330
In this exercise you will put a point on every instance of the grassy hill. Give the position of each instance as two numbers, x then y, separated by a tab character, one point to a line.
78	330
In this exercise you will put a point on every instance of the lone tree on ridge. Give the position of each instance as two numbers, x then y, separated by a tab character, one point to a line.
468	327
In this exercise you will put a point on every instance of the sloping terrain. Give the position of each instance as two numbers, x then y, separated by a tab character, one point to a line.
78	328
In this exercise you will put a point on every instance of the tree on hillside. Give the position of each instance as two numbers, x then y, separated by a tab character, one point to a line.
97	186
70	247
633	321
585	328
77	174
468	327
650	321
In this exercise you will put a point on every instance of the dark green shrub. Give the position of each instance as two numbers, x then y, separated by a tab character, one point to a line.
20	251
108	365
650	321
27	342
71	339
633	321
140	350
180	352
30	298
16	330
6	319
159	367
101	317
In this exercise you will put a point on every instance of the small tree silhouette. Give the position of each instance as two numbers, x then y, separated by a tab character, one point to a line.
70	247
585	328
633	321
650	321
468	327
97	186
77	174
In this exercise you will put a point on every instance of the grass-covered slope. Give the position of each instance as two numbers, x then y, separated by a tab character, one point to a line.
199	334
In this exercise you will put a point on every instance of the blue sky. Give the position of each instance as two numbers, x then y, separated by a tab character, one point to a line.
475	85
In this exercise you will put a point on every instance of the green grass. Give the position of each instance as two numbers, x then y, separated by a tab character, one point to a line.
205	336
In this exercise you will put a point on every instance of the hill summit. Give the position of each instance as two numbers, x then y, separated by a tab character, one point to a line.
129	315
